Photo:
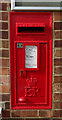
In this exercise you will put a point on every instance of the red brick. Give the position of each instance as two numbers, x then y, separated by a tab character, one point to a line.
38	119
58	26
4	53
4	62
3	6
0	6
58	43
4	88
4	71
3	25
57	87
0	25
4	79
58	53
16	119
57	79
5	113
5	44
6	1
0	62
57	113
45	113
57	105
58	62
24	113
58	34
7	105
56	119
58	70
4	97
3	34
57	97
0	15
0	44
3	15
58	16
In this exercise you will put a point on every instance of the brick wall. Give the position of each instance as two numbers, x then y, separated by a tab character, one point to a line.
56	112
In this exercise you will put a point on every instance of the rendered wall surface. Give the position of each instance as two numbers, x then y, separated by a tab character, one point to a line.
56	112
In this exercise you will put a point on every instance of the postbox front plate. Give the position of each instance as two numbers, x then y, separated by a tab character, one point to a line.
31	60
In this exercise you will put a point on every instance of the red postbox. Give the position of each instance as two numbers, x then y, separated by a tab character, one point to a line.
31	60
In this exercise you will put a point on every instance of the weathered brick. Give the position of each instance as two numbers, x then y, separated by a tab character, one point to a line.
58	70
57	79
57	96
0	62
57	87
4	53
38	119
58	62
5	44
57	113
45	113
4	71
57	105
0	44
4	79
3	25
4	62
58	26
56	119
58	43
15	119
3	15
4	88
7	105
58	53
5	113
57	16
58	34
4	97
24	113
3	6
6	1
0	6
3	34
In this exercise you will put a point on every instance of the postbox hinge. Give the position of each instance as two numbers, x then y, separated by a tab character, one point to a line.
19	45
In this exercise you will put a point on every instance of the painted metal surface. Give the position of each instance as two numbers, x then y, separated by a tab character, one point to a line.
31	39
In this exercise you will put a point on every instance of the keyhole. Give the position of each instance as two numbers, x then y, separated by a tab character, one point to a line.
21	72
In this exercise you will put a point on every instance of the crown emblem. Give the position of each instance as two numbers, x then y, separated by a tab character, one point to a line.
31	82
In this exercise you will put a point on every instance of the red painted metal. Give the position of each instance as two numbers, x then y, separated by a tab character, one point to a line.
31	88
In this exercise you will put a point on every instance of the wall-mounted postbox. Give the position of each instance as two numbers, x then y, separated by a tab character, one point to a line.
31	60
